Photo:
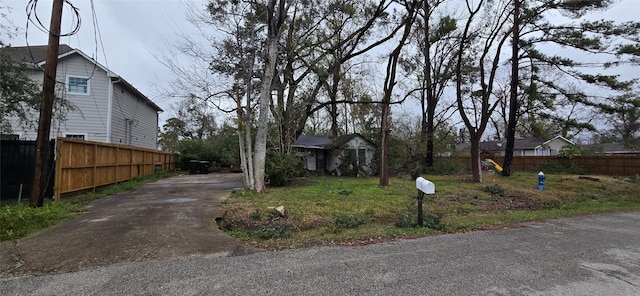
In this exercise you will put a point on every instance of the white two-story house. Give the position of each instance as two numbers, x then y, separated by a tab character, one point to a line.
106	108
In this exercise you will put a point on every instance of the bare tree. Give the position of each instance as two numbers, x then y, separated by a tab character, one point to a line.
436	56
406	23
479	55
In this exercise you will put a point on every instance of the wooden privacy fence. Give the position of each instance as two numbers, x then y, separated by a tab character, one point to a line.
608	165
82	165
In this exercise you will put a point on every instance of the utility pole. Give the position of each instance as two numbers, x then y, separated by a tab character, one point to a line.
40	175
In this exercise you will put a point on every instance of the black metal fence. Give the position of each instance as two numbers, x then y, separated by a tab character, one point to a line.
17	161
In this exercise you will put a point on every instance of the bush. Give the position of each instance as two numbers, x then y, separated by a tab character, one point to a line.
255	215
222	150
349	166
346	221
272	231
441	166
432	221
407	221
557	166
429	220
495	189
281	168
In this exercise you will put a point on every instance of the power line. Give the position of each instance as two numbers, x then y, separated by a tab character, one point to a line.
32	17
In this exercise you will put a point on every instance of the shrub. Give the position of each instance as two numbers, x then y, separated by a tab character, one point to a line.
495	189
349	166
272	231
429	220
346	221
407	221
557	166
255	215
441	166
281	168
432	221
221	150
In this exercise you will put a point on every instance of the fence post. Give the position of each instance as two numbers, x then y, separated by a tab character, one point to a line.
58	165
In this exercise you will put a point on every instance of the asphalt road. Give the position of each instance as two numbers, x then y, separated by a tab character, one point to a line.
589	255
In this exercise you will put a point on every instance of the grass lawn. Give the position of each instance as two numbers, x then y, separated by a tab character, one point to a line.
332	210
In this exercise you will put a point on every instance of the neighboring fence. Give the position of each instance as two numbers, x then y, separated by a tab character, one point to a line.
17	163
610	165
82	165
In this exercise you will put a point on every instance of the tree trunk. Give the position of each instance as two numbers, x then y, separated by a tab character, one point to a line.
384	153
513	96
476	169
241	140
248	145
428	86
276	16
430	132
389	83
333	95
263	118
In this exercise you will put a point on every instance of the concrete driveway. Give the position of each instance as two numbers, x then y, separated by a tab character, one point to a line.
168	219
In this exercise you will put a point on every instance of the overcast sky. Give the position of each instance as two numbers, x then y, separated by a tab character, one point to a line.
131	30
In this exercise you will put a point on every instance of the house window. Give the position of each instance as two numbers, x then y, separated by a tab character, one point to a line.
362	157
78	85
75	136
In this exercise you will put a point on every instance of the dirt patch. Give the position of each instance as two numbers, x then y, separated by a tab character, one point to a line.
169	219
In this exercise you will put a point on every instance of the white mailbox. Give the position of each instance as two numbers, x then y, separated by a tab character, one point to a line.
426	186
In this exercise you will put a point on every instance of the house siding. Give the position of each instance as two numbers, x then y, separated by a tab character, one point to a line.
90	117
94	117
133	122
361	145
358	144
554	146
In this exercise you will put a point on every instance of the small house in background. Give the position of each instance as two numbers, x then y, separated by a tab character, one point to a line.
327	154
611	149
522	147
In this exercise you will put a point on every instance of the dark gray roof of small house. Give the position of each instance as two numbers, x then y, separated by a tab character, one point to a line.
32	54
325	142
314	142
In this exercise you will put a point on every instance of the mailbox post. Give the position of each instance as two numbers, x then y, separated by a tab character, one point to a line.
424	187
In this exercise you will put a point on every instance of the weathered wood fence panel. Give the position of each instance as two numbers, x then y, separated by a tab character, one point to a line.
82	165
609	165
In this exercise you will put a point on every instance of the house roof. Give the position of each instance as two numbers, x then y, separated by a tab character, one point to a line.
313	142
33	54
37	55
344	139
614	148
325	142
518	144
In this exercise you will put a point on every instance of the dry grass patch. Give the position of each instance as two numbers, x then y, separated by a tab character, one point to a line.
329	210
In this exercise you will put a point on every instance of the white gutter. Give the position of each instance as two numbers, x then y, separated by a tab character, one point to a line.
110	108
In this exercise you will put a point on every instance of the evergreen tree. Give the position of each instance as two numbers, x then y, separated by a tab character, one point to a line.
560	82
